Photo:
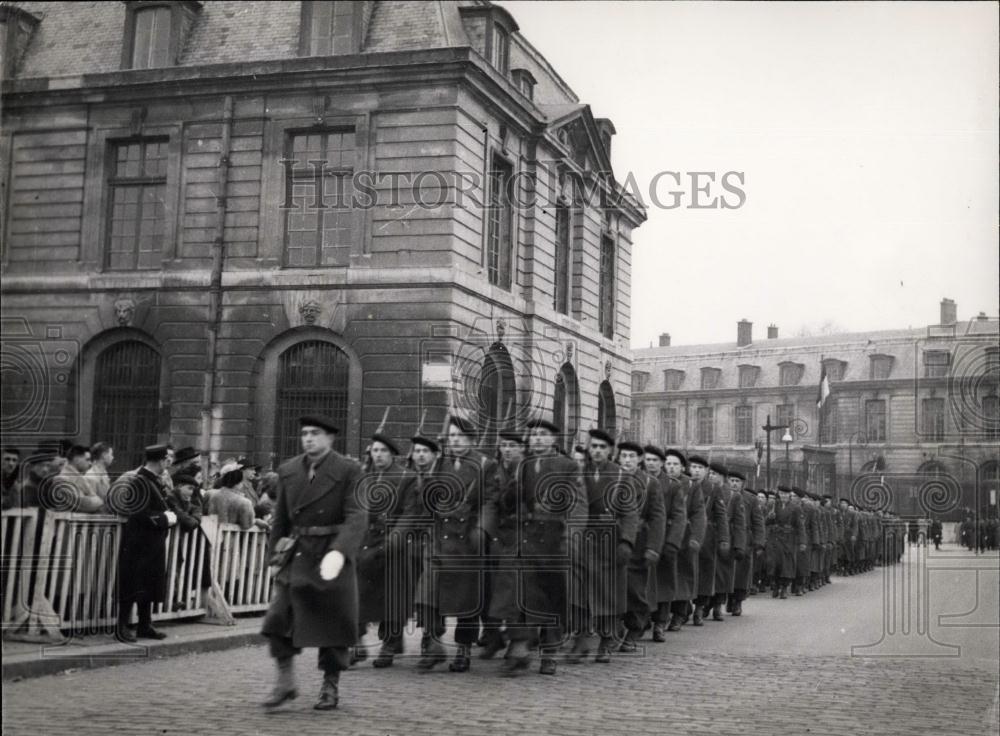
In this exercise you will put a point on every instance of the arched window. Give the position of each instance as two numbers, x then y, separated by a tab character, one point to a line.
497	394
312	378
606	416
126	400
565	404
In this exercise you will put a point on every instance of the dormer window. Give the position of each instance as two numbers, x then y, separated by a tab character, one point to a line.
16	27
330	27
154	32
834	369
936	363
749	375
711	377
881	367
525	82
501	49
672	379
790	374
490	28
639	379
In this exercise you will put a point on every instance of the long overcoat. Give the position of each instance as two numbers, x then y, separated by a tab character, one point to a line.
694	536
675	506
756	539
785	527
642	594
142	557
725	563
313	612
716	534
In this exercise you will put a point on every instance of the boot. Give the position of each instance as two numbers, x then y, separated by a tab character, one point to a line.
628	644
738	608
461	661
675	622
604	650
518	659
696	619
547	667
492	645
784	592
433	653
775	590
385	655
284	686
729	605
717	613
359	654
659	635
329	694
581	648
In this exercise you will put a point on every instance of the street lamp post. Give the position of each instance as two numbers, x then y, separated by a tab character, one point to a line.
787	439
768	428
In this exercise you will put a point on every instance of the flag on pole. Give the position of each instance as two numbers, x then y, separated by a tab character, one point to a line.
824	389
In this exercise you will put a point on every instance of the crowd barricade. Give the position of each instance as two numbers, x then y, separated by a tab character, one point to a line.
60	572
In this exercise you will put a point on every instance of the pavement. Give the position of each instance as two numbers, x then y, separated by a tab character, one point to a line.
911	649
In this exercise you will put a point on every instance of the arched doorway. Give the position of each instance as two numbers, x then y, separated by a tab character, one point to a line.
497	394
126	400
606	415
313	377
566	405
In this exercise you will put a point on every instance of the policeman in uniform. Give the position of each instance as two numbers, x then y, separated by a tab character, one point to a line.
675	509
314	602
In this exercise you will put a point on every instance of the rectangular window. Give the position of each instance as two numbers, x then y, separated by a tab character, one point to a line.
875	428
789	374
744	425
748	375
829	421
668	427
501	50
499	235
639	379
784	414
834	369
881	367
672	379
991	416
137	221
706	425
710	377
932	420
319	224
936	363
331	27
151	40
636	424
606	303
562	263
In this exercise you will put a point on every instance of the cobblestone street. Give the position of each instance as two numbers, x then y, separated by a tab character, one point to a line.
785	667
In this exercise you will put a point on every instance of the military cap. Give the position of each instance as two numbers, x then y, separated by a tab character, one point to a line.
184	454
654	450
543	424
379	437
677	454
698	460
718	468
512	435
738	476
155	453
464	425
630	446
318	420
426	442
600	434
798	492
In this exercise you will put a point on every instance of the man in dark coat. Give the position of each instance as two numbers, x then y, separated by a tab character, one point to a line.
785	528
641	594
694	534
530	519
142	557
675	510
936	532
315	597
716	543
725	564
753	530
608	540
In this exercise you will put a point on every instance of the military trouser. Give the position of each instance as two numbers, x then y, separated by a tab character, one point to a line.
466	629
330	659
661	615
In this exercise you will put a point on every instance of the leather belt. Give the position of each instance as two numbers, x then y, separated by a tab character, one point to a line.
316	531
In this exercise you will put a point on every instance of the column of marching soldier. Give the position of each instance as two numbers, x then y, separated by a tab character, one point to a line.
532	550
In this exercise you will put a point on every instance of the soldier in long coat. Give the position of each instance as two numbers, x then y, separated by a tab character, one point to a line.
315	597
716	540
675	511
641	597
725	565
142	557
453	584
849	536
755	536
803	544
386	578
605	548
785	528
531	516
694	535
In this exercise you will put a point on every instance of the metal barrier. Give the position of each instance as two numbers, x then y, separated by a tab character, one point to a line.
18	538
241	569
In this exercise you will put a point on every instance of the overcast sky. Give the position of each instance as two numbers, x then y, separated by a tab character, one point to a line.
867	134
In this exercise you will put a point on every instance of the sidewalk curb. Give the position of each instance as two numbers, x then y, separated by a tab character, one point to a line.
19	667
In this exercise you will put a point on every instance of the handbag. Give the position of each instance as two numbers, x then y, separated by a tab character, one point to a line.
282	552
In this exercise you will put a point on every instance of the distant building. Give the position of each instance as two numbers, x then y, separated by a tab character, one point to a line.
188	251
912	414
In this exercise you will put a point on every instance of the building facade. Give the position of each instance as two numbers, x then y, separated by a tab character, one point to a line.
911	419
219	215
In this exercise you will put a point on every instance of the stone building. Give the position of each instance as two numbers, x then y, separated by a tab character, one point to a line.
912	416
219	215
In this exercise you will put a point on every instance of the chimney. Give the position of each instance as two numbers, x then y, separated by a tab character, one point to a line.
949	312
772	332
982	317
665	340
744	333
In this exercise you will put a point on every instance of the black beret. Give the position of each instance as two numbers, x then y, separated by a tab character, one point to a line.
464	425
844	500
318	420
718	468
631	446
677	454
654	450
426	442
798	492
544	424
185	453
698	460
785	489
512	435
155	453
379	437
600	434
738	476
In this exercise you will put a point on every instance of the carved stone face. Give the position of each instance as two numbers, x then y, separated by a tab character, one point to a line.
310	311
124	311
